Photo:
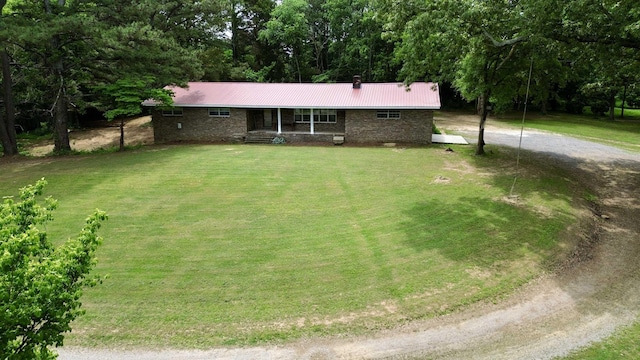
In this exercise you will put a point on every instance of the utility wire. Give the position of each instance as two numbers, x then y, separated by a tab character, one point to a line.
524	114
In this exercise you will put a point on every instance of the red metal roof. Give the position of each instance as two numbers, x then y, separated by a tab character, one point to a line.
306	95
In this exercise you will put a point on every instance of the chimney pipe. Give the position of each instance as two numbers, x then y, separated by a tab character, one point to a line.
357	81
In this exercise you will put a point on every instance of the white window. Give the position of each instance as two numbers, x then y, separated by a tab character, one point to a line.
302	115
319	115
326	116
219	112
388	114
176	111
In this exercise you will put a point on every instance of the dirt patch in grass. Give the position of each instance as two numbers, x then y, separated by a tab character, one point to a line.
137	131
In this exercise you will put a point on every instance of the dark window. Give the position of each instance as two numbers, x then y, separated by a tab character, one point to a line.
176	111
219	112
388	114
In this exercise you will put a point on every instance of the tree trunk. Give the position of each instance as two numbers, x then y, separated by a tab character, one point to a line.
8	122
624	99
612	106
122	134
235	24
60	123
60	129
484	112
60	116
298	68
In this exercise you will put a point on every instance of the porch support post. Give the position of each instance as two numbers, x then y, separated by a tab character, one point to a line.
279	121
312	131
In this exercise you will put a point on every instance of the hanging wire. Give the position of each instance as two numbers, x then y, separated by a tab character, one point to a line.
524	114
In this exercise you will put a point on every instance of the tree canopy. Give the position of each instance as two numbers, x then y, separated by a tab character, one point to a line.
40	285
484	48
59	55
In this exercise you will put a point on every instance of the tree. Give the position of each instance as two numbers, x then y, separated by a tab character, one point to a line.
605	22
56	38
125	96
355	43
479	47
249	54
289	29
606	36
67	48
7	120
40	285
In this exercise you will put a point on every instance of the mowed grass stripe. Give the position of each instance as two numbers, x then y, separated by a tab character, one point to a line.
217	245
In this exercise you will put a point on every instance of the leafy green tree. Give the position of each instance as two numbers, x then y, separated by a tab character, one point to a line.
356	45
67	48
288	29
54	35
248	56
604	37
40	285
605	22
476	46
613	69
125	96
330	40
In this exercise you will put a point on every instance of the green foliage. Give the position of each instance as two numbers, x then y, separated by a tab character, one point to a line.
61	50
288	29
329	41
633	96
40	285
455	41
126	95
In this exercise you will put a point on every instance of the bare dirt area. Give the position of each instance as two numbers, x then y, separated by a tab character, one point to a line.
596	292
137	131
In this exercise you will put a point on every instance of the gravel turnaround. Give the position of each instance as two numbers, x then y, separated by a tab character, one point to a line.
549	317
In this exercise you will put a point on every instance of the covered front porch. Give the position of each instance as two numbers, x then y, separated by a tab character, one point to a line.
292	137
296	122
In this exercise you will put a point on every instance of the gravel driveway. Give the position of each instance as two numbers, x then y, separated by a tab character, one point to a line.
548	318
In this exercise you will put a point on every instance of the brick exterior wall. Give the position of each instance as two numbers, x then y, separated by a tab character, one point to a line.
414	126
359	126
197	125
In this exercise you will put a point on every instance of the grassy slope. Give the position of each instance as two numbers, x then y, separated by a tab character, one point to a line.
622	134
213	245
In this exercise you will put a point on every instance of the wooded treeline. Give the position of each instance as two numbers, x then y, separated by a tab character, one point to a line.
61	57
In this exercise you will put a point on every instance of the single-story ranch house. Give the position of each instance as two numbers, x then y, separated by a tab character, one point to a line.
298	112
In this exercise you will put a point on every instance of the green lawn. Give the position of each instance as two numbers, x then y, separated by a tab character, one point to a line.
234	244
629	114
622	134
622	345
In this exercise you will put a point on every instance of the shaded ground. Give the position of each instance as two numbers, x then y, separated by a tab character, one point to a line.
136	132
597	292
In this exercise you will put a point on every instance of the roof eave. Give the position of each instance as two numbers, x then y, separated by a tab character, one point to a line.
431	107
